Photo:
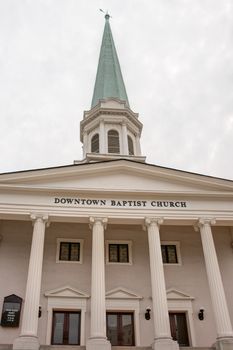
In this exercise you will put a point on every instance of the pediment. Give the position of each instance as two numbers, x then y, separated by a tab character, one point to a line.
129	176
175	294
122	293
66	292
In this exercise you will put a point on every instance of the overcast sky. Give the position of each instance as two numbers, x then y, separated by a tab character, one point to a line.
177	62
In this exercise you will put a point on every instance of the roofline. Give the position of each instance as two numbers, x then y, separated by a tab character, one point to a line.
115	160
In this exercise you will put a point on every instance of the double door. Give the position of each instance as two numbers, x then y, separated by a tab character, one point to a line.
179	329
66	328
120	328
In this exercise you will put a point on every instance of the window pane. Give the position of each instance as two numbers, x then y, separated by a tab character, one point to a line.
183	339
64	251
164	255
58	328
95	143
113	256
74	326
113	142
74	251
130	146
112	331
127	330
171	253
123	253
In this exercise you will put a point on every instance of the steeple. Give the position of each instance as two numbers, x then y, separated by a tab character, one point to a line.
110	130
109	81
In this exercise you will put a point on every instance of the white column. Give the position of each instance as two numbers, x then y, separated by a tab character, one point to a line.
28	337
162	330
98	340
222	318
85	150
102	138
138	146
125	149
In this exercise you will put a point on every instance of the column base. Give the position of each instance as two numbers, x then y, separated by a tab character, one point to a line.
26	343
98	344
165	344
224	343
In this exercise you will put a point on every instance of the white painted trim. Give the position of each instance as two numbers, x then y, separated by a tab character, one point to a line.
66	303
179	304
129	243
122	293
80	241
66	292
131	305
177	244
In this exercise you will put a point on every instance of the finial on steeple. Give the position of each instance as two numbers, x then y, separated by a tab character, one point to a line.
107	15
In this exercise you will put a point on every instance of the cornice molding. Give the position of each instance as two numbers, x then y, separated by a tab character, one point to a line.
123	165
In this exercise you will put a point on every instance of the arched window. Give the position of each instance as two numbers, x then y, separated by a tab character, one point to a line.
130	146
113	142
95	144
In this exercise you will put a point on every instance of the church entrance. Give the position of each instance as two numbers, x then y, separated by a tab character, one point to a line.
66	328
179	329
120	328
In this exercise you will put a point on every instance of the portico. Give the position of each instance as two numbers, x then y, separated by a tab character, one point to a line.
99	226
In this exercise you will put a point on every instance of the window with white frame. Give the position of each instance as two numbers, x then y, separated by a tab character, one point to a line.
69	250
130	145
171	253
113	142
95	143
119	252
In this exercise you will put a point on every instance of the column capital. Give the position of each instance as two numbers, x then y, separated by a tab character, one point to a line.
44	218
204	222
156	221
96	220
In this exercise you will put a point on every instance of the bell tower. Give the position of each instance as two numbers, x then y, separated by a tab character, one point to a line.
110	129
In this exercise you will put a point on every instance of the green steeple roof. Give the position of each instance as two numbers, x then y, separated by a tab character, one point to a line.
109	81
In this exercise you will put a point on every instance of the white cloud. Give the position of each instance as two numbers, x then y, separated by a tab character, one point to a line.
177	62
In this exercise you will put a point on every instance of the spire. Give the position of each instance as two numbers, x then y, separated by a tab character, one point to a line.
109	81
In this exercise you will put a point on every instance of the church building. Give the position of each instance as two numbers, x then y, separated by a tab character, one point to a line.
112	252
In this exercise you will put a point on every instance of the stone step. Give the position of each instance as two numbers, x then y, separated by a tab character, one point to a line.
131	348
194	348
62	347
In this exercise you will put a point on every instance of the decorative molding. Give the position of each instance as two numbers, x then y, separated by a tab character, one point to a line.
122	293
204	221
179	301
157	221
175	294
37	217
94	220
122	299
66	292
66	298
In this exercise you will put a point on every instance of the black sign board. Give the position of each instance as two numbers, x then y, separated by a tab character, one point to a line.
11	311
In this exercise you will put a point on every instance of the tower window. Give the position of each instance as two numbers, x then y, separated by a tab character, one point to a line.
130	146
95	144
113	142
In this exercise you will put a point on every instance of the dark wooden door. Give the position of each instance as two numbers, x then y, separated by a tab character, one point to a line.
66	328
179	329
120	328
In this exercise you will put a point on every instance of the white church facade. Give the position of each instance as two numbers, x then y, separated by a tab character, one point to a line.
112	252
